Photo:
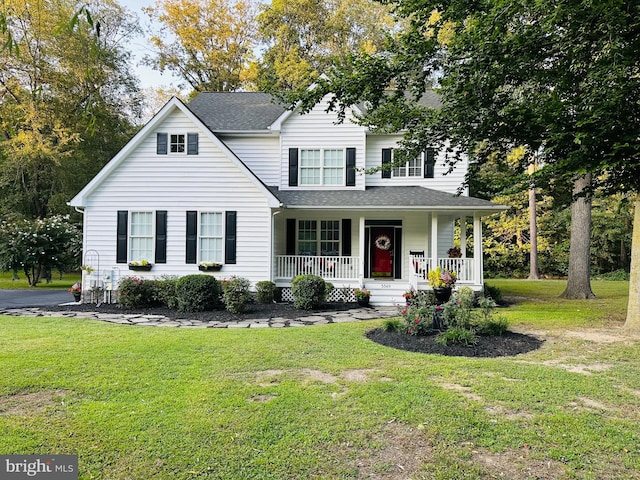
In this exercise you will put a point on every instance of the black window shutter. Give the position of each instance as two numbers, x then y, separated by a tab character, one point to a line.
290	248
161	236
386	160
230	237
397	259
192	144
346	237
351	167
192	237
161	143
121	231
429	162
293	167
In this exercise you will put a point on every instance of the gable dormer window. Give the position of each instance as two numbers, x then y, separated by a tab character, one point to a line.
178	143
322	167
423	166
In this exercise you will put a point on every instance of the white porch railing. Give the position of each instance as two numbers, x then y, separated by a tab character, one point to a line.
420	266
329	268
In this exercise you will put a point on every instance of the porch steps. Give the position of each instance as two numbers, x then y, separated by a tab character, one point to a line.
386	293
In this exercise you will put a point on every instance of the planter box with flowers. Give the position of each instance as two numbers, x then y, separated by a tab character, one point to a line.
209	266
142	265
76	291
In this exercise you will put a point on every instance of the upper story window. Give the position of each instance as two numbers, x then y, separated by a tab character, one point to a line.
322	167
423	166
178	143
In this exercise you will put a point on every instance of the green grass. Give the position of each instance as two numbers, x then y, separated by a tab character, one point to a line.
538	303
324	402
57	283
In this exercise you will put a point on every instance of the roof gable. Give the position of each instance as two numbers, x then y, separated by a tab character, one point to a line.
174	103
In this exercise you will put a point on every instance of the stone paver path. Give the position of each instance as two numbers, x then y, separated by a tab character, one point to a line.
317	318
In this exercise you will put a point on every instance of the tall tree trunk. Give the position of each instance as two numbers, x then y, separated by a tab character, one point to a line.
579	279
633	308
534	274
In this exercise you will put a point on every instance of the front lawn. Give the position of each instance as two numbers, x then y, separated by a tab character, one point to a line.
325	402
57	283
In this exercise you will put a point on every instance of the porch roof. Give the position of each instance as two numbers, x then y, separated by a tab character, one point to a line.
393	198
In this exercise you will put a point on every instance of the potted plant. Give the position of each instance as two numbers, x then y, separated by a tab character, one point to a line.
362	296
442	281
142	265
76	291
209	266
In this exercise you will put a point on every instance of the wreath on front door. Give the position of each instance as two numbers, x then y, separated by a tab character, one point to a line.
383	242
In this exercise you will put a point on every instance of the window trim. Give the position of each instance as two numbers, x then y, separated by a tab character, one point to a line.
222	238
131	237
318	240
322	167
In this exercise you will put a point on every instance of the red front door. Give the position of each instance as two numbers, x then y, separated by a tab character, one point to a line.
382	252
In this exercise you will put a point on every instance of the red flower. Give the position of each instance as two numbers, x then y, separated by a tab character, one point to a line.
418	320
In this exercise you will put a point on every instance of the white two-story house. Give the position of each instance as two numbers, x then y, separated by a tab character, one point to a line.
236	179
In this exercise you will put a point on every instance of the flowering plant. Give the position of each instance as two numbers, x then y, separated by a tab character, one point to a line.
75	288
361	293
210	264
409	294
87	268
141	263
440	278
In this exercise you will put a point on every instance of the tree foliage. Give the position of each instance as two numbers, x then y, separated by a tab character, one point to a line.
304	37
36	247
207	43
66	96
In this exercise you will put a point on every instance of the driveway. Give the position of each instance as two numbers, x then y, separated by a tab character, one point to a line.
33	298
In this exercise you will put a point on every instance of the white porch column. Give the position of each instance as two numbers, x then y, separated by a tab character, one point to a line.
463	236
363	251
434	240
477	248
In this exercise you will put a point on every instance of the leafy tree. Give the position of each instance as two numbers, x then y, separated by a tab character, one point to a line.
66	77
35	247
304	37
559	77
208	43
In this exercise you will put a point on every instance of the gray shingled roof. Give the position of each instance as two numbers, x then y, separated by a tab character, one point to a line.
253	111
388	197
236	111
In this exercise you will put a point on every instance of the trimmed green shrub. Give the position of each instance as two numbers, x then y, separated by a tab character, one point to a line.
164	292
308	291
457	336
135	292
265	291
235	293
197	293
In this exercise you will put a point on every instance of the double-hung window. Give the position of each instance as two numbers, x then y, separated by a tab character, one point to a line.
322	167
141	237
412	168
210	238
324	241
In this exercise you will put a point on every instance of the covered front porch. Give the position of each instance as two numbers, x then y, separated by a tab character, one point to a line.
388	256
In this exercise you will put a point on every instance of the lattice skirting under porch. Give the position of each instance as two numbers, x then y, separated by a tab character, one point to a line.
337	295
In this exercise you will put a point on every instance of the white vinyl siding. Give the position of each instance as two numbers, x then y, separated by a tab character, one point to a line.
207	182
211	238
319	130
141	236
